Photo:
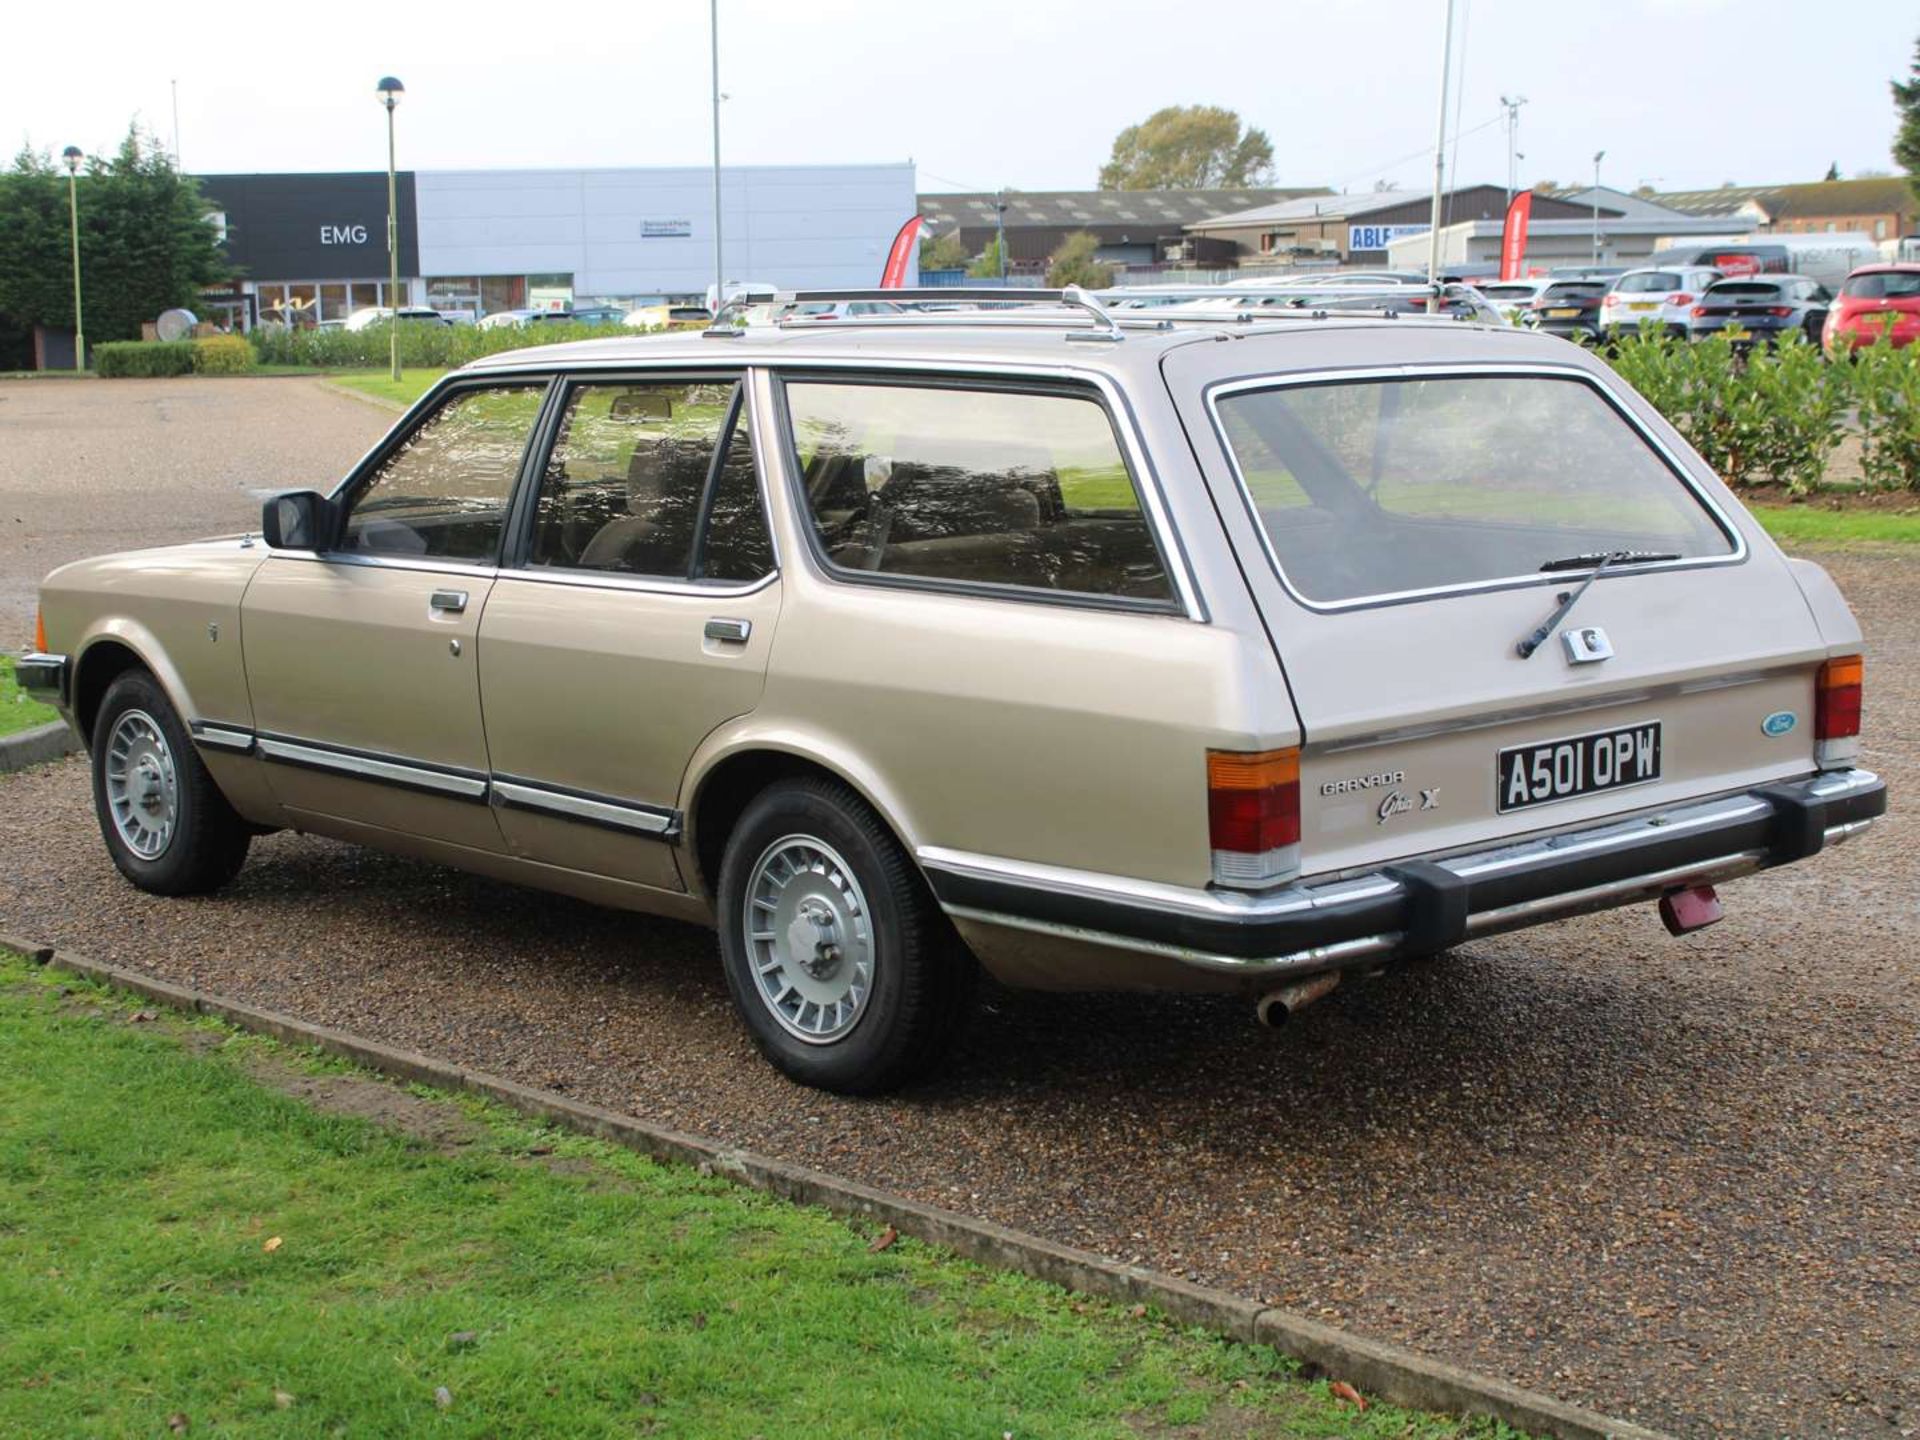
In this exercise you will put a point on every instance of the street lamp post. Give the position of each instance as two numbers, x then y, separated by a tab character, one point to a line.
1598	156
390	91
73	158
1000	230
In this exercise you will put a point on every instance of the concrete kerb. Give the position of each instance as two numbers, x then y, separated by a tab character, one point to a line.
36	746
1391	1372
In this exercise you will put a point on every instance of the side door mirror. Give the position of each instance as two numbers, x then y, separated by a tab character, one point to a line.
297	520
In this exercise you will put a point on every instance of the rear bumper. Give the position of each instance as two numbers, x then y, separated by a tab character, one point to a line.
1416	907
44	677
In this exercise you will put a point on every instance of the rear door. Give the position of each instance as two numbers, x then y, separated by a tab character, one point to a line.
635	615
1393	524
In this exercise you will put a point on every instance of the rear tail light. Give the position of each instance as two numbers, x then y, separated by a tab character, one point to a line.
1679	297
1699	311
1253	815
1836	711
1781	310
39	633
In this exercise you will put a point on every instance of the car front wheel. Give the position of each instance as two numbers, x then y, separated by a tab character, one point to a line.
167	826
844	970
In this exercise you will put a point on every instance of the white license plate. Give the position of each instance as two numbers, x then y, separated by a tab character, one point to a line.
1579	765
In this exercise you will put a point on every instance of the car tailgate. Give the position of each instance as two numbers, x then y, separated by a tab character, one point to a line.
1418	710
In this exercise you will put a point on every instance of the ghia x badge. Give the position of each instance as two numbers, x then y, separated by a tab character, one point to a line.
1396	802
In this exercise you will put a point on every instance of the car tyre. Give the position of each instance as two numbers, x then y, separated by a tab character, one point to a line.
842	966
167	826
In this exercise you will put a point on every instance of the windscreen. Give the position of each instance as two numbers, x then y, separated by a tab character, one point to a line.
1648	282
1883	285
1375	488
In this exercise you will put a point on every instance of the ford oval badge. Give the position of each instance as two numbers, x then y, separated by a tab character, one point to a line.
1779	723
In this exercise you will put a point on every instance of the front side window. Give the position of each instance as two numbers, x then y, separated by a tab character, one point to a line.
1374	488
624	486
974	486
442	495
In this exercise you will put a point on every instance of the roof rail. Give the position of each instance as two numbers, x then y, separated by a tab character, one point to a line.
1072	297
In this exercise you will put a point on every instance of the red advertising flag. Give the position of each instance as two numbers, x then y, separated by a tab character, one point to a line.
1513	237
898	258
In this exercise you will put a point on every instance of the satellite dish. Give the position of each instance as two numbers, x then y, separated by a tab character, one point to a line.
175	324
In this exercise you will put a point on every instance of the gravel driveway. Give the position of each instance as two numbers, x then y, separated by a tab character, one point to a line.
88	466
1674	1180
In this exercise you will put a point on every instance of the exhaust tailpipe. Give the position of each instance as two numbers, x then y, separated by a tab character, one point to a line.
1278	1004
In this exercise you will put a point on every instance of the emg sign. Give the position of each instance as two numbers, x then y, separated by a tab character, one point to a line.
343	234
1378	237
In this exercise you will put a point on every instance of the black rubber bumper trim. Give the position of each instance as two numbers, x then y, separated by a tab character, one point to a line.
1430	903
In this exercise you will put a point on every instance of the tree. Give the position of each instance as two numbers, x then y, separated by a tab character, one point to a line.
1188	147
1906	137
1833	171
986	264
145	245
1073	264
943	252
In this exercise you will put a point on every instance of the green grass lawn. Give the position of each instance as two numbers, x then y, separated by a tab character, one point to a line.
180	1236
380	384
1806	525
17	712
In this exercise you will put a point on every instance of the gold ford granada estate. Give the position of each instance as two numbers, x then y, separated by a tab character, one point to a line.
1107	652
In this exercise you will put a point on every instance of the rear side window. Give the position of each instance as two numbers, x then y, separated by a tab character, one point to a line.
442	494
974	486
625	488
1367	489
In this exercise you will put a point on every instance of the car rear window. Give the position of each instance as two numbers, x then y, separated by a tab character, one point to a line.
1883	285
1743	290
1574	290
1383	488
1508	292
1648	283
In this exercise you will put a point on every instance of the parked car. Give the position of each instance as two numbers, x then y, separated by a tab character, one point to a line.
507	319
1512	298
379	314
1768	308
597	315
1655	296
1568	308
1157	662
1875	300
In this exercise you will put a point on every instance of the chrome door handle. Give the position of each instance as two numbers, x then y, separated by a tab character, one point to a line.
737	631
448	602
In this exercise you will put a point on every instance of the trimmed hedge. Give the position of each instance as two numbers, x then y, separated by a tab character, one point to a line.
143	359
422	343
222	355
1779	414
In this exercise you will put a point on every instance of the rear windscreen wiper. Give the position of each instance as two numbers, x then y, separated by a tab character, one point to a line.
1599	562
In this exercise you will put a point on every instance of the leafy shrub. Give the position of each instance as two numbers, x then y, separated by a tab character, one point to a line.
222	355
422	344
1886	390
143	359
1800	404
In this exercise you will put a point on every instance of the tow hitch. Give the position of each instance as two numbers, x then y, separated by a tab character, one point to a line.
1684	911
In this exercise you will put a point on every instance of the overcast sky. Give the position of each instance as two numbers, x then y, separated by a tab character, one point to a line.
1022	93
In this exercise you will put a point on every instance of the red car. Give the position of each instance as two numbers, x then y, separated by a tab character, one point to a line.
1875	298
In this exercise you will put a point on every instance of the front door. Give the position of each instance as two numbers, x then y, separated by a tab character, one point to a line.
637	616
362	659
